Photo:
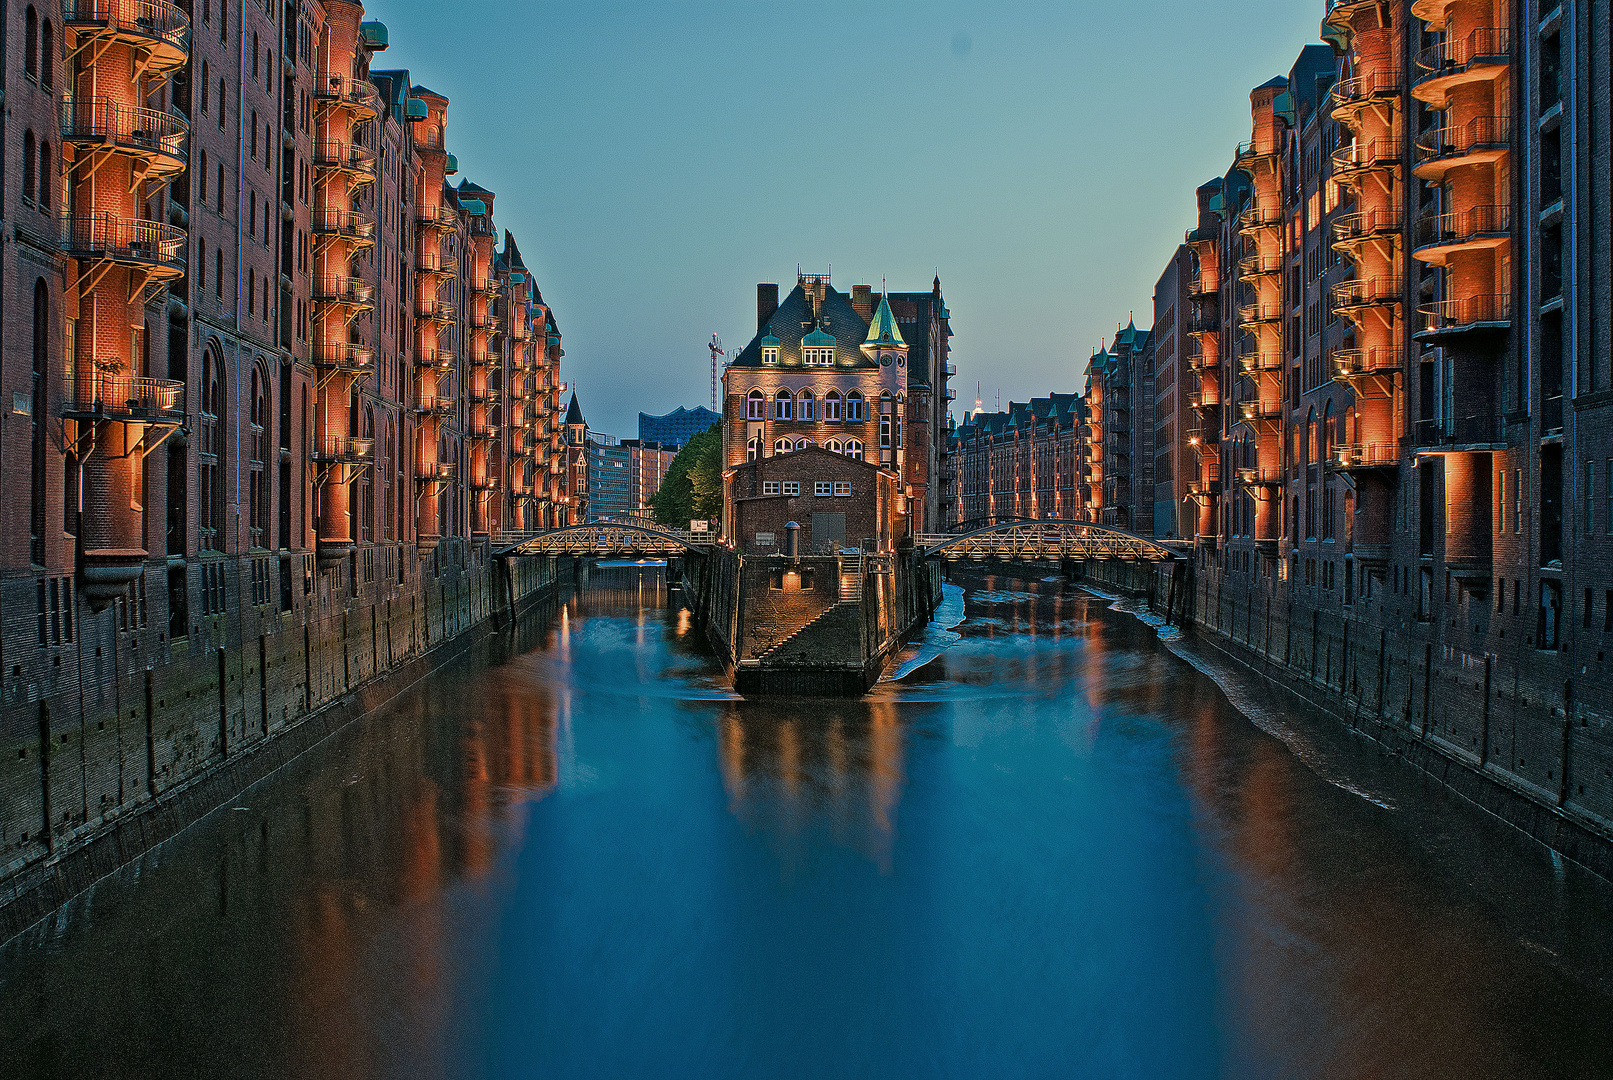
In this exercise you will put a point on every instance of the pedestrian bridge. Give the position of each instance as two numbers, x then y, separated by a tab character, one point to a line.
605	539
1036	541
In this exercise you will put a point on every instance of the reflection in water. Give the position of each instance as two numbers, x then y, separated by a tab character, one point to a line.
1054	850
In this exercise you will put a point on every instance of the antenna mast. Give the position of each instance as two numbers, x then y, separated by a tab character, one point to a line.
715	345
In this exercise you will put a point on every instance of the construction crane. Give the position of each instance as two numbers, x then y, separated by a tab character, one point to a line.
715	345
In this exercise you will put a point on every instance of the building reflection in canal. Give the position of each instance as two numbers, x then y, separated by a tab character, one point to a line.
1055	849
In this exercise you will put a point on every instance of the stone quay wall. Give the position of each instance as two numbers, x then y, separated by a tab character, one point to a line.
134	735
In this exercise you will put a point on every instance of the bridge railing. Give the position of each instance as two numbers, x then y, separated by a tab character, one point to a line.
599	539
1044	540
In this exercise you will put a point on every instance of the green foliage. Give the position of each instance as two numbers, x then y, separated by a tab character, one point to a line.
692	487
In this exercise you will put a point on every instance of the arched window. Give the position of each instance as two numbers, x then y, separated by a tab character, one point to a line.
833	446
784	405
831	406
854	407
886	417
1327	433
44	175
752	449
37	412
204	113
29	171
210	459
30	43
389	451
802	444
47	56
805	406
1310	435
755	406
257	481
783	446
854	448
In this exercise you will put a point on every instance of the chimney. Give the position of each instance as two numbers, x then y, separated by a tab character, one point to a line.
766	304
862	301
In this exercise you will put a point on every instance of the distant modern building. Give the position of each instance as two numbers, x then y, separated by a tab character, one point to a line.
649	464
610	478
676	427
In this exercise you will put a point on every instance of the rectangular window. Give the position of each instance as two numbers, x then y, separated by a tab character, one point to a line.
769	356
1607	498
1590	495
822	488
843	488
1517	500
792	487
770	487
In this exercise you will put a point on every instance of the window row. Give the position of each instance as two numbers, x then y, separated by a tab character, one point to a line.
852	448
785	405
820	488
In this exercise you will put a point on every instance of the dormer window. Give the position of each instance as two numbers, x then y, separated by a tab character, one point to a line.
770	355
818	357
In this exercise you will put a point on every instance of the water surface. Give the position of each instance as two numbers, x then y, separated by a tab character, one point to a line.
1054	850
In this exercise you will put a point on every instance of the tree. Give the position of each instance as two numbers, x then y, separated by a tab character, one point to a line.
692	487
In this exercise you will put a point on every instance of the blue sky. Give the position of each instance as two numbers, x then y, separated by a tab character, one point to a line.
656	160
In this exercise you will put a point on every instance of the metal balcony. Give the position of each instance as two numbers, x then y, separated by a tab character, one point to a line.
96	123
436	264
157	27
1353	299
439	407
125	398
1350	231
357	96
1258	216
1261	476
1258	265
151	246
436	359
486	322
1480	56
1203	322
434	311
1469	315
1349	96
356	162
1349	457
350	225
344	290
1204	399
356	359
442	216
1250	156
1258	413
434	472
1258	312
1438	235
1354	160
1376	360
344	449
1458	434
484	358
1480	140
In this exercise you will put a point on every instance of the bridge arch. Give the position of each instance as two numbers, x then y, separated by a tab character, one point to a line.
601	538
1045	539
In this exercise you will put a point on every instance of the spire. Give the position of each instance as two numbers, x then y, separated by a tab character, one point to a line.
574	412
883	330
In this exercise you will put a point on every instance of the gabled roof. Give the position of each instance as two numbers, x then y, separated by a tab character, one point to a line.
513	254
883	330
837	318
466	187
574	411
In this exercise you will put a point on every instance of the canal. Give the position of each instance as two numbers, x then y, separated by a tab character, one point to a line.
1057	849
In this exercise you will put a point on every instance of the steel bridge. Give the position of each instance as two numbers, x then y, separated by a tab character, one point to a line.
605	539
1035	541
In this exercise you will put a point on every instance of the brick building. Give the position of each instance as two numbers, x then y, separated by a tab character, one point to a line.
1398	376
838	501
860	374
1024	462
648	464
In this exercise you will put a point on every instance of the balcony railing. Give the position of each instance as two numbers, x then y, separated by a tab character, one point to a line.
1258	216
1482	47
1259	411
1203	322
1252	155
435	472
1353	296
484	358
441	216
1476	223
344	357
438	406
1258	265
1467	314
344	290
151	245
1364	155
1348	95
1376	455
346	157
345	224
436	263
128	398
1260	312
439	311
1482	138
100	121
1349	229
358	95
1260	474
436	359
1204	399
344	448
1373	360
158	25
1458	431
